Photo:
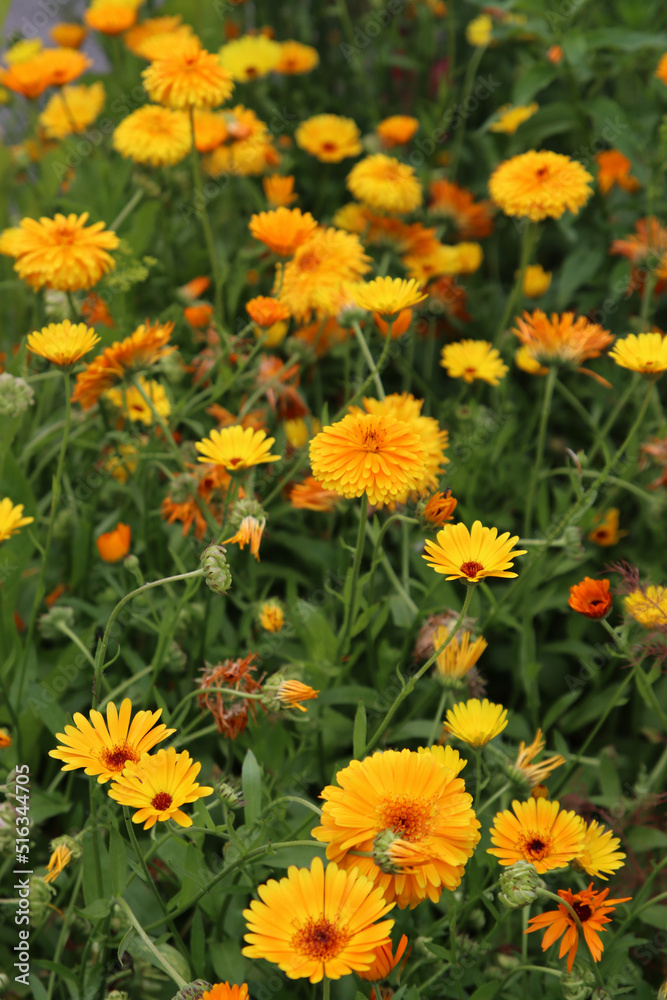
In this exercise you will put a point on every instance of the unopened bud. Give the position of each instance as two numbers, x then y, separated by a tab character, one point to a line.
52	621
193	991
216	571
15	396
381	855
518	885
578	984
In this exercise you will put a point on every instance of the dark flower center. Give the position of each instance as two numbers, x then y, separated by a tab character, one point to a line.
471	569
320	939
162	801
117	757
583	911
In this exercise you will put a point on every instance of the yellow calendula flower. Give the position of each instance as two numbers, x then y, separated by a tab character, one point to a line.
509	117
385	184
473	359
460	554
11	518
445	755
157	785
22	51
599	856
63	343
642	352
330	138
387	296
236	448
131	401
271	616
72	110
458	657
332	929
154	135
476	722
648	606
63	850
250	57
540	184
536	281
296	58
479	31
524	771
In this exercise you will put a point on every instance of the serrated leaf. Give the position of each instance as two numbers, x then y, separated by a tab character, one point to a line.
251	783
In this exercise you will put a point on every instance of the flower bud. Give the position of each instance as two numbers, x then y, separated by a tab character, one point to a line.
117	995
216	571
40	900
381	856
15	396
71	843
247	507
229	795
193	991
51	622
578	984
518	885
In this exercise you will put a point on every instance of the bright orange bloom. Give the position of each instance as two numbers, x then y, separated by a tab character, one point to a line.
68	34
471	220
330	138
400	325
114	545
537	831
606	533
210	130
291	693
296	58
650	237
190	78
591	598
554	54
152	27
561	339
64	65
199	315
661	70
614	168
315	280
250	532
439	508
311	495
192	290
591	907
385	961
110	18
223	991
283	230
95	311
279	190
265	311
397	130
540	185
145	347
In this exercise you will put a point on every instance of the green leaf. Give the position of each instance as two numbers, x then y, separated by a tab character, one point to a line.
655	916
532	81
198	941
486	991
626	41
360	728
580	266
97	910
251	783
228	961
363	619
117	862
646	838
648	694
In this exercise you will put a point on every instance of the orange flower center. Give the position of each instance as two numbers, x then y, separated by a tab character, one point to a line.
329	147
541	172
535	847
373	440
472	568
117	757
320	939
251	71
583	911
162	801
407	816
66	235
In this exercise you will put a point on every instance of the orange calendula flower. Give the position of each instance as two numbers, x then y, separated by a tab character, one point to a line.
511	117
236	448
472	220
5	739
600	855
473	359
399	325
385	961
400	796
114	545
561	339
649	238
265	311
540	185
148	29
606	533
60	253
591	598
210	130
472	555
283	230
296	58
190	78
311	495
614	168
385	184
249	532
72	110
279	190
11	519
643	352
200	315
316	278
64	65
523	770
223	991
104	748
109	17
376	455
142	349
439	508
291	693
157	785
330	138
387	296
397	130
457	658
554	54
68	34
592	908
95	311
332	926
661	69
537	831
63	343
154	135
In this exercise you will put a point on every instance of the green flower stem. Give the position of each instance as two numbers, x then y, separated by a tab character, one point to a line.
104	642
377	541
76	640
649	287
409	686
208	233
127	209
258	852
437	718
468	82
168	968
41	586
579	408
149	881
351	605
365	350
478	775
122	687
496	795
326	988
545	894
515	297
65	930
613	417
97	861
293	798
541	438
375	370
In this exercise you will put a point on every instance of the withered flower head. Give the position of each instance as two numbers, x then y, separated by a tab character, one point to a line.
230	711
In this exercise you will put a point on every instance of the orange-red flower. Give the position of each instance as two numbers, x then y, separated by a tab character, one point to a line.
606	532
592	908
114	545
591	598
265	311
614	168
283	230
311	495
471	220
563	338
279	190
145	347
